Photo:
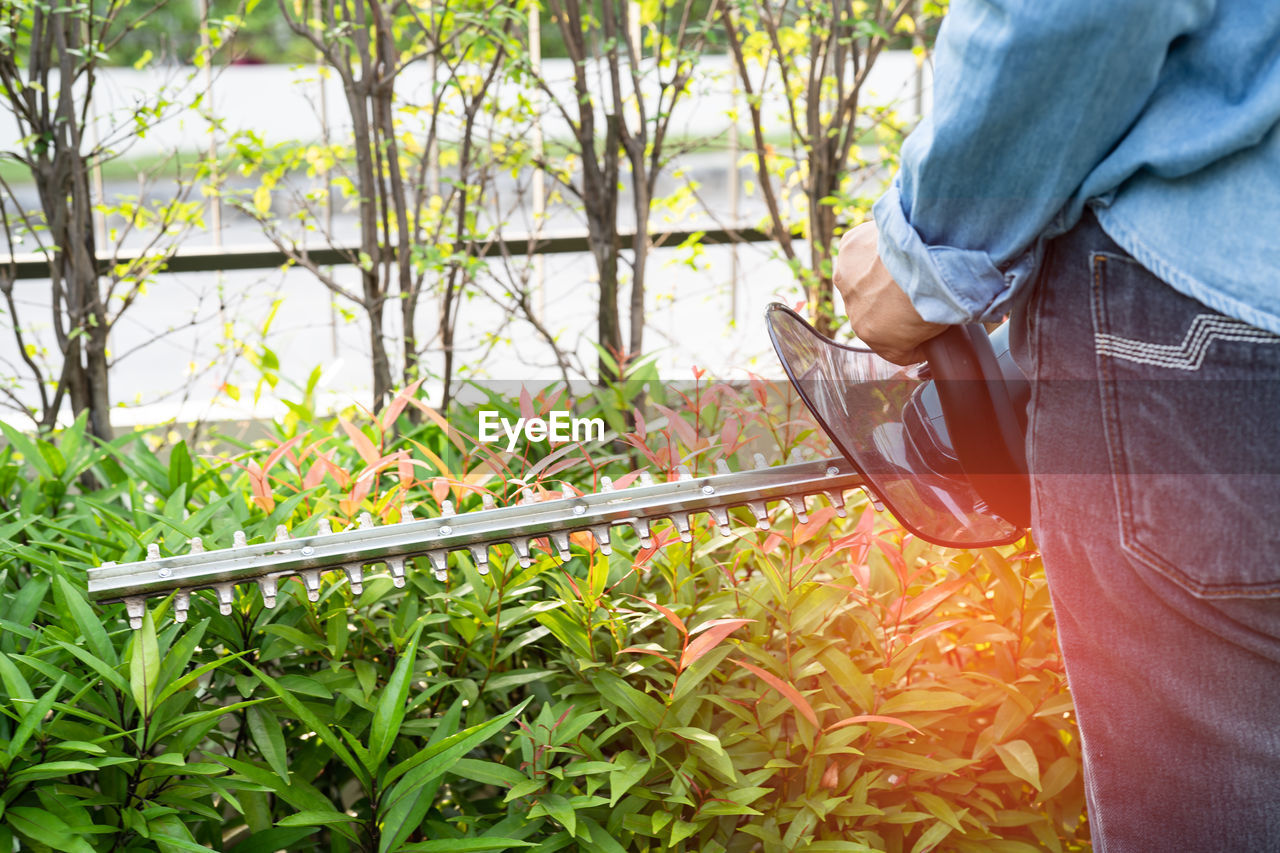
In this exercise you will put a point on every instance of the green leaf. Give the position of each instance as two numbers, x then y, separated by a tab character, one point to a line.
265	730
104	669
931	837
46	828
465	845
601	840
311	818
144	665
923	700
389	713
32	717
271	840
14	684
196	718
939	808
488	772
178	656
567	631
628	770
298	793
72	600
30	451
560	809
180	469
78	746
639	706
402	812
708	748
52	770
178	684
444	751
309	719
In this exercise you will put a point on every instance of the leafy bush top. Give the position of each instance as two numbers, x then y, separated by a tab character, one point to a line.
832	685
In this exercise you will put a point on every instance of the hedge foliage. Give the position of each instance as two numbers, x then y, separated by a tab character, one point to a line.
834	685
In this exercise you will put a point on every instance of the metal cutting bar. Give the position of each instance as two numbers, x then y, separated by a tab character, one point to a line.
352	549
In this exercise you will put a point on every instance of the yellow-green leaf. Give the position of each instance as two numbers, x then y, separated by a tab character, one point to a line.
1020	760
144	665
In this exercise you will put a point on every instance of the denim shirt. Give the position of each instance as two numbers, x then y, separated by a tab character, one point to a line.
1163	116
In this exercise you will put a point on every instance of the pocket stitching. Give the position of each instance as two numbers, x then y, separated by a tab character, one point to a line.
1113	435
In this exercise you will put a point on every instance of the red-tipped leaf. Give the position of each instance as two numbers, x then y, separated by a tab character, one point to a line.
671	616
363	445
709	636
871	718
640	651
792	695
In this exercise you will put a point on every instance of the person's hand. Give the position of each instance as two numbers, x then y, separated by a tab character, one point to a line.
881	314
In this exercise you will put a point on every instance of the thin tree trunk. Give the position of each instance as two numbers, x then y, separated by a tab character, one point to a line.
640	250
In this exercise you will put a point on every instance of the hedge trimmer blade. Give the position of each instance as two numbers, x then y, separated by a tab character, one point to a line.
366	544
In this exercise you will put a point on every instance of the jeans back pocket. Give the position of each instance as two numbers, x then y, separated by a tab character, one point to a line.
1191	411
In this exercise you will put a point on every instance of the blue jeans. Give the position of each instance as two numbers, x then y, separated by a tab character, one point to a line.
1154	443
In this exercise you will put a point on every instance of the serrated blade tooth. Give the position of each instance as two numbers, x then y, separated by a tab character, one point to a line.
646	479
875	501
722	467
355	576
197	545
396	566
446	508
325	527
181	604
641	527
761	512
721	515
311	580
267	584
837	501
683	473
759	461
136	608
603	538
798	507
521	544
681	521
440	564
480	554
561	540
282	533
406	514
606	484
153	551
365	521
238	539
487	501
226	596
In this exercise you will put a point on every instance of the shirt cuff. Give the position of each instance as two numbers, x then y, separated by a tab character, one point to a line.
945	284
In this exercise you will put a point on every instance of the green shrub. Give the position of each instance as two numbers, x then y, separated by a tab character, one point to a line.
826	686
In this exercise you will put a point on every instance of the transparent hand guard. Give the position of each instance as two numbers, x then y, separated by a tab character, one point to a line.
860	400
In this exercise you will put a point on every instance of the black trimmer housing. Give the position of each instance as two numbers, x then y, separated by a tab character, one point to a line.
941	444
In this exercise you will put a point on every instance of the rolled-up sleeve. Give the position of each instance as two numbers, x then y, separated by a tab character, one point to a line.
1029	97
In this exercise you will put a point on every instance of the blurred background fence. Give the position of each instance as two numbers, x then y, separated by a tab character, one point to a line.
416	192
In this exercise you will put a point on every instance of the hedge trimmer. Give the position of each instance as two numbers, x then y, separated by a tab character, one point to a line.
525	527
940	445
